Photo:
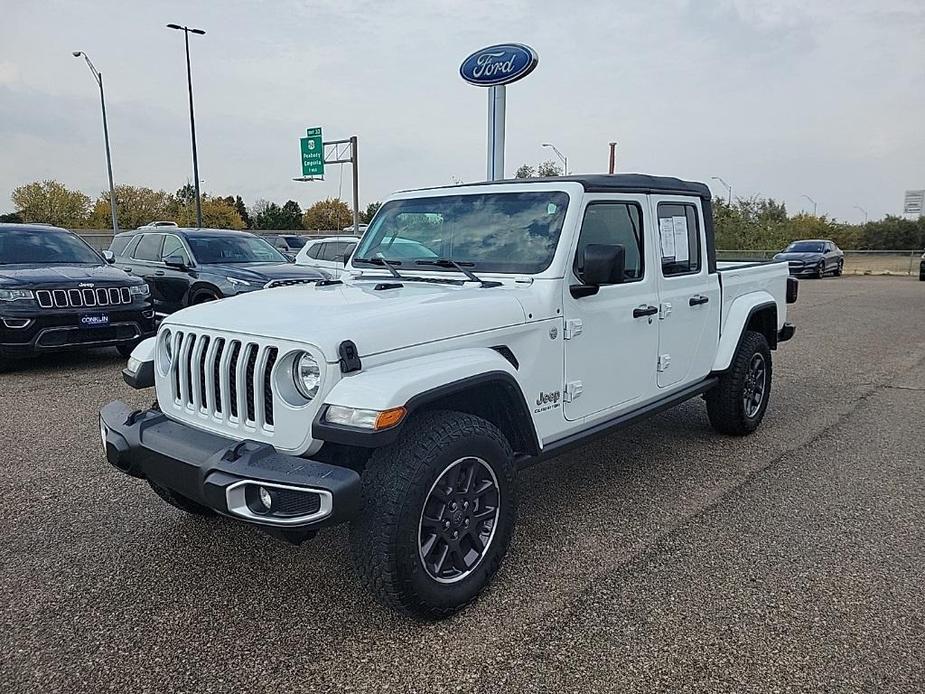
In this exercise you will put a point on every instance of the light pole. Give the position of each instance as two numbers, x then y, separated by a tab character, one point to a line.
192	120
728	187
812	201
858	207
98	76
558	154
613	158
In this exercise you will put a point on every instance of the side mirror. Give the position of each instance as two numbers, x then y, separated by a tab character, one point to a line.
600	264
109	257
176	262
346	258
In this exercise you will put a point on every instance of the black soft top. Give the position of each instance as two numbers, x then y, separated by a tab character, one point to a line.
617	183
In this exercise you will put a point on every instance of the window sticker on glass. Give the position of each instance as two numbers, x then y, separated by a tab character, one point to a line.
666	235
552	208
681	250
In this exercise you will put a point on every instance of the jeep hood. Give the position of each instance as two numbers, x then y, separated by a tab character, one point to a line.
376	320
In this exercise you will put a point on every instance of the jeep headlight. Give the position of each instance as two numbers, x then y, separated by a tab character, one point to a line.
141	290
15	294
307	375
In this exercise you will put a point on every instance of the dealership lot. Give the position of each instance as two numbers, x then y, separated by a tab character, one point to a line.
665	558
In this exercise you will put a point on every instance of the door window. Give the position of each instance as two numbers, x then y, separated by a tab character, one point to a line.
174	246
679	238
614	223
313	250
118	244
149	248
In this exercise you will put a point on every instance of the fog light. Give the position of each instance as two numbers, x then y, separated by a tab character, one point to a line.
134	364
103	433
266	498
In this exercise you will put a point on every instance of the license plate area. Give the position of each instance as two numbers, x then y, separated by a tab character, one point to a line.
94	320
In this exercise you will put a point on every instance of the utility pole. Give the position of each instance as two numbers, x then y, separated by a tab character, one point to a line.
613	157
562	157
814	204
192	119
728	188
98	76
858	207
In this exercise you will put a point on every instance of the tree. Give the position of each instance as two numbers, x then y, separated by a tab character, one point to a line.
371	210
242	211
292	215
269	215
217	213
525	171
50	202
137	205
11	218
548	168
327	215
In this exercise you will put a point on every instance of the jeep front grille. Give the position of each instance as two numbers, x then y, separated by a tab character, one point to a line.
225	378
83	298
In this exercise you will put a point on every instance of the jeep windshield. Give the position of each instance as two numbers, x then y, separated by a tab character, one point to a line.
208	249
44	247
488	232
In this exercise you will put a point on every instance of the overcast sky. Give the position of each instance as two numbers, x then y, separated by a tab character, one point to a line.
779	97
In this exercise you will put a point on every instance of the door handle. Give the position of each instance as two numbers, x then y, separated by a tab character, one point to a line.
159	273
643	311
127	269
699	299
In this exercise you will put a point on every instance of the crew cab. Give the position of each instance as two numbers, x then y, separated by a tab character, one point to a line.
481	328
185	267
57	293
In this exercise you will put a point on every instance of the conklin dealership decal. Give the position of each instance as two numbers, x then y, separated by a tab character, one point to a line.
500	64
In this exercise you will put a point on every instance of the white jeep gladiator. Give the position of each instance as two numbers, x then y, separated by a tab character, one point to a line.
479	329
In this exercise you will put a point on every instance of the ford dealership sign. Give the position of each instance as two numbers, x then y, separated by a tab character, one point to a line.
501	64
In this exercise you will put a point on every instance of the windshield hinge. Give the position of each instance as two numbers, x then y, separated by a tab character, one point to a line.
572	328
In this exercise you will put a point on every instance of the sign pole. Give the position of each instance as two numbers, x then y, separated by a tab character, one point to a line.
496	118
356	186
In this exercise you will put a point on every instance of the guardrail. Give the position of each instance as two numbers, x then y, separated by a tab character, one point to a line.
856	262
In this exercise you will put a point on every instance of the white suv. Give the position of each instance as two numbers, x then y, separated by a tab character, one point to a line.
327	253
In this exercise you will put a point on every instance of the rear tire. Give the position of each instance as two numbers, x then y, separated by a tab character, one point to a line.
737	404
439	507
179	501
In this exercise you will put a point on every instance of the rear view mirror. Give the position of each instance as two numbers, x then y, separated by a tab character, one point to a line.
109	256
600	264
176	262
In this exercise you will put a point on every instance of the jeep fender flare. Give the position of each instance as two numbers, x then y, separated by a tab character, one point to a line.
416	383
738	319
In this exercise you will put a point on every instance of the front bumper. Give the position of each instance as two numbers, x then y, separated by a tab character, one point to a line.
221	473
27	331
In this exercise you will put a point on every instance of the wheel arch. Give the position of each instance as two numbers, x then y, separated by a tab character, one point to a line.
201	287
757	312
478	381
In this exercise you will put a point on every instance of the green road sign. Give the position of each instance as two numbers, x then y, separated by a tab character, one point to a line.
312	153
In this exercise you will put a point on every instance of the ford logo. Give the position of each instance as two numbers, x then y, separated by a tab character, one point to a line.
501	64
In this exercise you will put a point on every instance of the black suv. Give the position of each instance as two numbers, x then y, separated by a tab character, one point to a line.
189	266
287	244
57	293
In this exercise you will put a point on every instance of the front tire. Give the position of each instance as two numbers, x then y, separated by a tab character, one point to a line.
820	271
737	404
439	507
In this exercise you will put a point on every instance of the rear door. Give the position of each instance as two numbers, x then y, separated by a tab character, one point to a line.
689	295
611	337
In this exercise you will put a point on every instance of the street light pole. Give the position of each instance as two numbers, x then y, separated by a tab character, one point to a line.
559	154
192	119
98	76
613	158
728	187
812	201
858	207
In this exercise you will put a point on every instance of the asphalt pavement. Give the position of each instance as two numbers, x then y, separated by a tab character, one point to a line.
664	558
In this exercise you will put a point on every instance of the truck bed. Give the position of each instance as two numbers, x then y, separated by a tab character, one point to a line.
737	279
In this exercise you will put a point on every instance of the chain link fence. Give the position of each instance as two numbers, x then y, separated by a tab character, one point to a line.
856	262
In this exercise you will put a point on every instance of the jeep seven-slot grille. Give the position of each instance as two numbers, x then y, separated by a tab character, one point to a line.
83	298
225	378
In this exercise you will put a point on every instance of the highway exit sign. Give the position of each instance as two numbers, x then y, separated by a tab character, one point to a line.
312	153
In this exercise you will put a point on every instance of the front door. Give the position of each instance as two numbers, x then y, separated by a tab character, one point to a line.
689	293
612	336
172	283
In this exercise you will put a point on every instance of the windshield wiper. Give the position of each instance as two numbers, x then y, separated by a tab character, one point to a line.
380	261
461	267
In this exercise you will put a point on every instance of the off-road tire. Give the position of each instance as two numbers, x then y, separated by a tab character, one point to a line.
179	501
725	402
384	538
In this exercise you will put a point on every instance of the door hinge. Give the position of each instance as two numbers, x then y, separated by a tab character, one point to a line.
572	328
664	361
572	390
664	310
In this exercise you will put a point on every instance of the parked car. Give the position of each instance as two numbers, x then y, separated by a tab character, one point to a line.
57	293
813	258
287	244
327	254
191	266
361	228
922	268
405	398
